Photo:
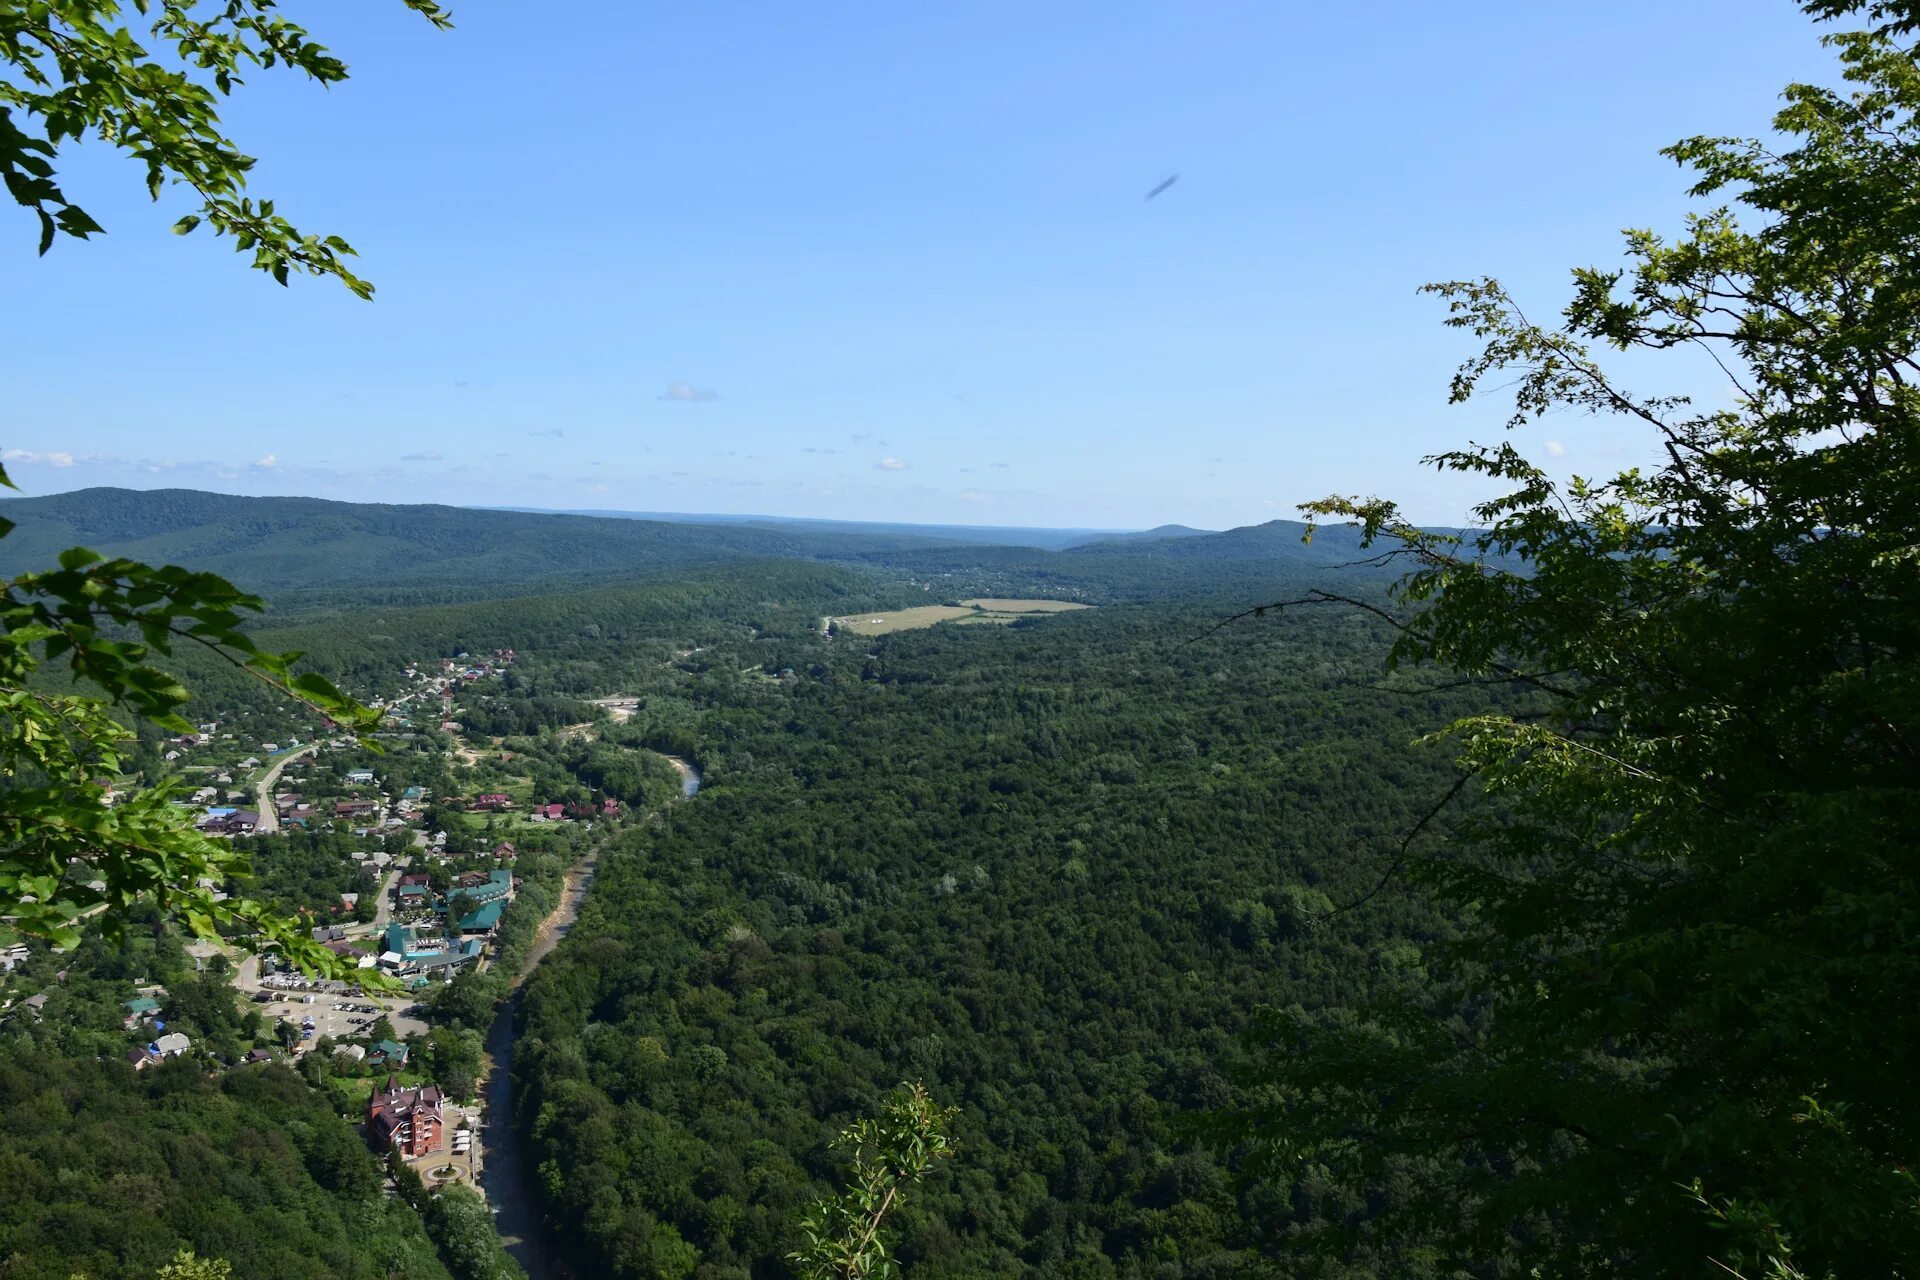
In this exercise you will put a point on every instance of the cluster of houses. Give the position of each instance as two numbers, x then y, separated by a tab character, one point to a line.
143	1013
496	802
434	935
454	673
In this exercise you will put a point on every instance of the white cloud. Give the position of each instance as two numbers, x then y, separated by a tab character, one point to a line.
425	455
891	464
1000	466
57	459
269	462
975	495
1555	449
687	393
551	433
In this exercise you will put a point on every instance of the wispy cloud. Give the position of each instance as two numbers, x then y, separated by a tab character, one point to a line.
1002	466
861	437
425	455
551	433
1555	449
687	393
891	464
31	457
267	463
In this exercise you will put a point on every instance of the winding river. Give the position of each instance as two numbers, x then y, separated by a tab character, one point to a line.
506	1174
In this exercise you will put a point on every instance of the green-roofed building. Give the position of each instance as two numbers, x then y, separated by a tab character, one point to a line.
388	1053
484	920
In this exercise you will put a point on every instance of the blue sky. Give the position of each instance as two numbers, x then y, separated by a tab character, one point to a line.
883	261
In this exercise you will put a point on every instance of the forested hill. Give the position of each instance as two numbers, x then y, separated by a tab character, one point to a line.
985	535
1049	870
1156	534
274	544
1274	540
304	552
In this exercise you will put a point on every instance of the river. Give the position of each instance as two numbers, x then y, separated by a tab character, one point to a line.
505	1175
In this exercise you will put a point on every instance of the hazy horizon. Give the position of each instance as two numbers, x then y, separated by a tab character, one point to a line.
634	513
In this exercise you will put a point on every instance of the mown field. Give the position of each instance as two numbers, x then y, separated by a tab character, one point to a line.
994	605
969	611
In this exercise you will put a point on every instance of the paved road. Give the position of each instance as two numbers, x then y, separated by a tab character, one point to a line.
384	909
269	817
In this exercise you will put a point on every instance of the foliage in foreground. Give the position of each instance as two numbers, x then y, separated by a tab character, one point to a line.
65	853
1681	1027
69	70
891	1152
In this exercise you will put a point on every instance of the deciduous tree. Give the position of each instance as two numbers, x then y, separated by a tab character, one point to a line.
1680	1024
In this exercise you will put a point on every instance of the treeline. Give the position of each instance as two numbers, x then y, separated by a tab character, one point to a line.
1049	870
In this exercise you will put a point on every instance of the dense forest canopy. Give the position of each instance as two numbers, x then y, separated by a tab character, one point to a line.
1046	870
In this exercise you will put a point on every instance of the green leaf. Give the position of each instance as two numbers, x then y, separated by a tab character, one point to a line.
78	558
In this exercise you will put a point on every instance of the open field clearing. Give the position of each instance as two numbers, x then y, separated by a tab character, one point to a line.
973	611
878	624
994	605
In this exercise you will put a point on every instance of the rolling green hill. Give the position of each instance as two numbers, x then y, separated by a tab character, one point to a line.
274	545
308	552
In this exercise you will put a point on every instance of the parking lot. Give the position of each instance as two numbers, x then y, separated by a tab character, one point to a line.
354	1020
294	998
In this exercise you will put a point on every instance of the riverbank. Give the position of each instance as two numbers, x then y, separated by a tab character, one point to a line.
506	1180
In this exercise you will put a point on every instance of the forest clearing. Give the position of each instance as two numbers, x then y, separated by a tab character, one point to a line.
970	611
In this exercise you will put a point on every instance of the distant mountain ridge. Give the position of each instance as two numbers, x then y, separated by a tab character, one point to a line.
991	535
1155	534
271	544
1276	539
299	551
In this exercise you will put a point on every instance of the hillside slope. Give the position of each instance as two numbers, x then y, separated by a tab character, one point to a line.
273	544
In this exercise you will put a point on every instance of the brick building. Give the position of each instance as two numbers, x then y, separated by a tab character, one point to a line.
410	1121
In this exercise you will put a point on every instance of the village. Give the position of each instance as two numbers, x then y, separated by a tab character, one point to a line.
433	876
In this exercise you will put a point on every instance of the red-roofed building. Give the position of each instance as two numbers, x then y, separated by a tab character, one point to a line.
410	1121
493	801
